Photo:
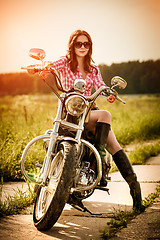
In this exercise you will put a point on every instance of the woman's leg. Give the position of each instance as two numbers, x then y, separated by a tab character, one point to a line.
113	145
99	124
98	116
127	172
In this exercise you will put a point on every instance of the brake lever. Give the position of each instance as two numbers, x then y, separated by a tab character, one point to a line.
115	93
112	95
119	99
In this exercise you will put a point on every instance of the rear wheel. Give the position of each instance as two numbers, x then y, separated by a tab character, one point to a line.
52	198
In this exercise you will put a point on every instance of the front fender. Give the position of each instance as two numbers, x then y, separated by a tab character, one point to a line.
69	139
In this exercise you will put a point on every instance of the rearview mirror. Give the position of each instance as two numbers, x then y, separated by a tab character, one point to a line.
37	53
118	82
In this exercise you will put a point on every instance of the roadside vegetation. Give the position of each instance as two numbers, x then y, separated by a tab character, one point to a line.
16	203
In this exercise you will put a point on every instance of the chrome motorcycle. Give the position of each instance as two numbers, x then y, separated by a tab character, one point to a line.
70	168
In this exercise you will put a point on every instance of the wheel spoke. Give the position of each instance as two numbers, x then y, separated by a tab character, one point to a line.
48	192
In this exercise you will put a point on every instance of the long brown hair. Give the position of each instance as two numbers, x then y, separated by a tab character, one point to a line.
71	56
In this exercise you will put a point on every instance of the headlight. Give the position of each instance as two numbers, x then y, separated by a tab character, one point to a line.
75	105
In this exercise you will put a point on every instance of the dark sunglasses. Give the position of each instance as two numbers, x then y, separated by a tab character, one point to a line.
80	44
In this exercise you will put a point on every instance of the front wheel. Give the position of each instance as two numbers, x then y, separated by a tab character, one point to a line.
52	198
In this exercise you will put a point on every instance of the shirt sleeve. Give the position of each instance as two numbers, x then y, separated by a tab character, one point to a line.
59	64
98	78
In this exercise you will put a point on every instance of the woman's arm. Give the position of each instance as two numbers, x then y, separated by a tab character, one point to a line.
98	81
59	64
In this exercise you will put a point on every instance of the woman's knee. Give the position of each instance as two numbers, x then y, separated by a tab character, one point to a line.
98	116
104	116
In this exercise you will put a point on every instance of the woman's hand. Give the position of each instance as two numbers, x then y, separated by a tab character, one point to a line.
44	74
32	71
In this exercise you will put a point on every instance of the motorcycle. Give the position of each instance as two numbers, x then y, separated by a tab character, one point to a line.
71	168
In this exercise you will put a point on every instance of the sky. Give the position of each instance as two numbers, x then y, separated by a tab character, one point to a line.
121	30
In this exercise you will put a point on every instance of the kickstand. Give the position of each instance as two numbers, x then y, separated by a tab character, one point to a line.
80	206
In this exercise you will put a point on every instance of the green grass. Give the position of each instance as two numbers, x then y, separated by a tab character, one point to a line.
16	203
141	153
120	220
25	117
21	119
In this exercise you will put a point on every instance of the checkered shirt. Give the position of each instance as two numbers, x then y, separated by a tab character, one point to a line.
93	79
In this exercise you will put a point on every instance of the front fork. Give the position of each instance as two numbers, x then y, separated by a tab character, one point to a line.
48	159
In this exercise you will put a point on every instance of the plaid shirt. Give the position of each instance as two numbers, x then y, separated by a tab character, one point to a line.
68	77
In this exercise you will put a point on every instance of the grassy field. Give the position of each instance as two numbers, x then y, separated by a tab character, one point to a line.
136	124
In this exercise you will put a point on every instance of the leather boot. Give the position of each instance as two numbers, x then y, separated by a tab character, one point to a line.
101	135
127	172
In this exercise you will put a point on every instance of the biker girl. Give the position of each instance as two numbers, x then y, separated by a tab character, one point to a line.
78	64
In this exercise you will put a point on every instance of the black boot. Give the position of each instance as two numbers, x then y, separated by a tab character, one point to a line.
135	191
127	172
101	135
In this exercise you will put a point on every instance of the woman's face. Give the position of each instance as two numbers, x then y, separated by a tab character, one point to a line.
82	49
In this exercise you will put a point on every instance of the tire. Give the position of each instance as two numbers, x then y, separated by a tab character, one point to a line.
52	198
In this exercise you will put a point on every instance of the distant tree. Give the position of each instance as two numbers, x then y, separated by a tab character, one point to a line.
21	83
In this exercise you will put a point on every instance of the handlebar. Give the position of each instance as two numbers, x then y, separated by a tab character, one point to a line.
33	68
108	92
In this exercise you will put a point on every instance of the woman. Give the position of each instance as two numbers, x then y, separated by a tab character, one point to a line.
77	64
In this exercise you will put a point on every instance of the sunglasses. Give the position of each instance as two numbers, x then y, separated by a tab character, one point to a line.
80	44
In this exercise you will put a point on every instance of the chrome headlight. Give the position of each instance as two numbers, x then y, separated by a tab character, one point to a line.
80	85
75	105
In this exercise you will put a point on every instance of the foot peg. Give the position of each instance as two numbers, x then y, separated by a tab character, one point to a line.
103	189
